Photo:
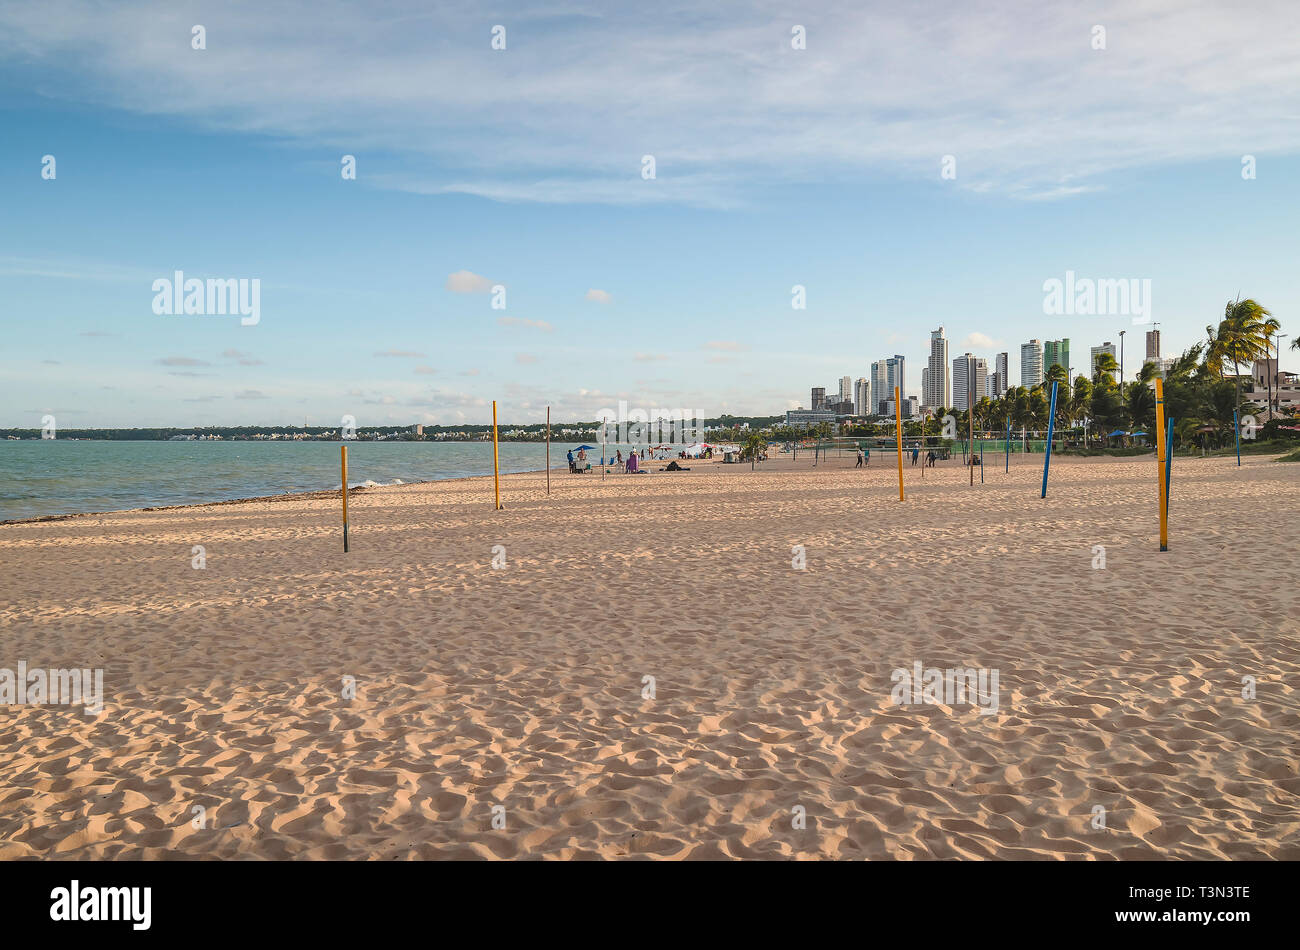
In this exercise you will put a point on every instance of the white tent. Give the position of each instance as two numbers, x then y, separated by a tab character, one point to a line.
696	449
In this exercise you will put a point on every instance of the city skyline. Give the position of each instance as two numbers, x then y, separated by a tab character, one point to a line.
990	371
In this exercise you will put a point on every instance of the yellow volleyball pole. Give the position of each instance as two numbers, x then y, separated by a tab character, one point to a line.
343	453
496	464
898	431
1161	449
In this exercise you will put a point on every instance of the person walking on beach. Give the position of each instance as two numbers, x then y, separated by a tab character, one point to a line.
572	467
859	465
916	453
929	459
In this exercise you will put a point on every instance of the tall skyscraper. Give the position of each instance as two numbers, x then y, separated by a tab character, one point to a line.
1000	378
819	397
936	386
1031	363
897	375
862	398
1153	345
1057	352
879	382
1107	347
969	380
846	388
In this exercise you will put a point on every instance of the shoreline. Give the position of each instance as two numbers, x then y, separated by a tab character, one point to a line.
276	498
280	497
285	495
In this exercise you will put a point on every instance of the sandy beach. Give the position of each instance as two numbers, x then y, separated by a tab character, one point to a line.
525	686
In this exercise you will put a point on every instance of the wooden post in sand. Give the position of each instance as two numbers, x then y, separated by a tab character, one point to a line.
898	434
548	450
343	455
496	462
1160	462
1007	454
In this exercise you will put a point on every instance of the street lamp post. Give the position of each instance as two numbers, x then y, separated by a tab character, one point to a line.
1121	356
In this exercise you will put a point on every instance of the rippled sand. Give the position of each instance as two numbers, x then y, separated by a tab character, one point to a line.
523	687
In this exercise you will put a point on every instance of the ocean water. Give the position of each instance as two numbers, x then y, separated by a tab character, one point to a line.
59	476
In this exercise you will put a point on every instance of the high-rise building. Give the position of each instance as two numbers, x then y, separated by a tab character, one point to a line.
819	397
1001	381
1153	345
846	388
879	383
1057	353
936	386
969	379
1031	363
1107	347
896	375
862	398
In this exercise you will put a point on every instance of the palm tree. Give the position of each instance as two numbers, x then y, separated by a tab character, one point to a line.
1038	407
1103	373
1081	399
754	446
1242	337
1140	402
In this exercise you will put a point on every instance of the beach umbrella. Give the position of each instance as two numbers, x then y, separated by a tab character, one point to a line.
1115	433
590	448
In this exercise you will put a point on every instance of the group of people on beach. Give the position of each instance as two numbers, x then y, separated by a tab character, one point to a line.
579	464
930	457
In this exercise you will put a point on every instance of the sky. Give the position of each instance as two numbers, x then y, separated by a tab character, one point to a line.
911	166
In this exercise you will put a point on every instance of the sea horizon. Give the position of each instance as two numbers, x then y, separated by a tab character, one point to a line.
52	477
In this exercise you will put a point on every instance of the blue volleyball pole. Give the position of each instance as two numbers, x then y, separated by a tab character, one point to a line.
1008	451
1051	428
1236	428
1169	462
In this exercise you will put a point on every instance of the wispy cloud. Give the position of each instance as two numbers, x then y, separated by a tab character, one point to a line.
521	322
467	282
881	90
980	341
244	359
181	361
599	296
400	354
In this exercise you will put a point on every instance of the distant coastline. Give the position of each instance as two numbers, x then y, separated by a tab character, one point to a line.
533	432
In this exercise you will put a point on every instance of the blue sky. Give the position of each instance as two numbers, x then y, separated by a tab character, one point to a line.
523	167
